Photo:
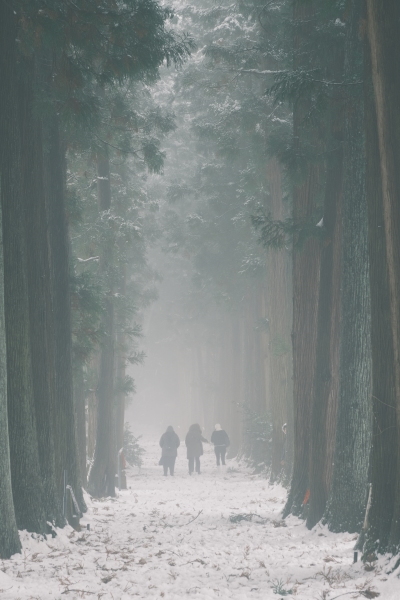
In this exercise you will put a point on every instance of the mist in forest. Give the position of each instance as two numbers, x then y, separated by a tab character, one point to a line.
199	224
157	400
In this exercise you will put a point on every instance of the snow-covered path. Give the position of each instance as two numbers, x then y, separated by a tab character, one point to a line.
174	537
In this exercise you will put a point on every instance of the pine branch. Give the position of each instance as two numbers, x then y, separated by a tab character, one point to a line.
281	234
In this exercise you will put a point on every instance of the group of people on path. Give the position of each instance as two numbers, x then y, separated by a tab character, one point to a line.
170	443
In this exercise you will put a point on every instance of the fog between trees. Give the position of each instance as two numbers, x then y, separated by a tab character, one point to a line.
215	187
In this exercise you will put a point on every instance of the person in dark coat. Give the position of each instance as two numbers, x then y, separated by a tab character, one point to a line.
194	447
169	443
220	439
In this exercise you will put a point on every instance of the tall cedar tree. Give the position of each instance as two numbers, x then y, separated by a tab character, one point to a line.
9	540
66	450
102	473
326	384
346	507
25	467
39	293
278	287
383	191
306	265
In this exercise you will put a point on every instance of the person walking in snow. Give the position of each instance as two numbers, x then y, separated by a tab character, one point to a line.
220	439
194	447
169	443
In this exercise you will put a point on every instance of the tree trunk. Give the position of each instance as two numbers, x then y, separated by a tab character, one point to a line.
102	473
120	375
25	469
306	264
278	292
92	424
79	396
326	385
66	449
383	189
40	304
120	397
346	507
306	273
9	540
236	399
120	366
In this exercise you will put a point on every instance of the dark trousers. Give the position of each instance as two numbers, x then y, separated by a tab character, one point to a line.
220	454
169	463
191	464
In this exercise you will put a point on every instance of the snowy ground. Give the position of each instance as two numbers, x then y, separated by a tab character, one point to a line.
172	537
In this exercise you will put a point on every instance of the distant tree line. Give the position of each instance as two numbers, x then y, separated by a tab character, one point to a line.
289	121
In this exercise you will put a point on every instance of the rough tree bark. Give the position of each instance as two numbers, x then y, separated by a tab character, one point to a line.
383	147
102	473
326	385
40	305
346	507
66	449
235	417
278	293
120	368
92	424
306	274
9	540
79	397
25	469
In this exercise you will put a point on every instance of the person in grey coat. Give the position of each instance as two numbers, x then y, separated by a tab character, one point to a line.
221	441
194	447
169	443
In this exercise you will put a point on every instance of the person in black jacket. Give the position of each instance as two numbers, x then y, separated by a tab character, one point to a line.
194	447
169	443
220	439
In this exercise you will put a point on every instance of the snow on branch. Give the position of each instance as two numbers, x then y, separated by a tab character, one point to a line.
258	71
85	260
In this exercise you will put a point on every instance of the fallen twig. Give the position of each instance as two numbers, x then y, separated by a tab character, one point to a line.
191	521
364	593
172	552
199	560
79	591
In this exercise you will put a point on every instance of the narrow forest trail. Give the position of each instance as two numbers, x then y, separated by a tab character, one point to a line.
173	538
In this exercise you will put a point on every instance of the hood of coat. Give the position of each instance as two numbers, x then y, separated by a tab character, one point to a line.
170	429
195	429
